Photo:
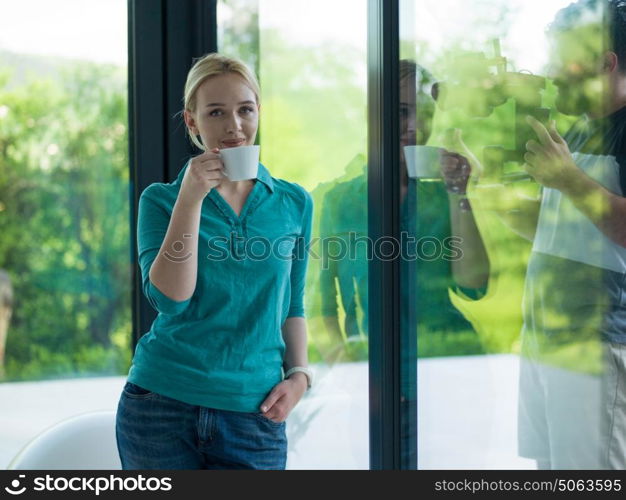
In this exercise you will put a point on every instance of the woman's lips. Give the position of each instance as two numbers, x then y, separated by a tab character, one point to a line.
232	143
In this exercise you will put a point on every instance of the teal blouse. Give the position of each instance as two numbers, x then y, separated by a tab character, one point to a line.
425	213
223	347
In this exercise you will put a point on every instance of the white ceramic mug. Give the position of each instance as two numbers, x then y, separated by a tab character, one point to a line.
423	162
241	163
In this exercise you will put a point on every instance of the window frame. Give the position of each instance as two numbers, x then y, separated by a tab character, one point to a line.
385	370
165	37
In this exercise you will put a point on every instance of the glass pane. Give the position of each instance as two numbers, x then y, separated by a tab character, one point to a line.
65	274
312	70
520	320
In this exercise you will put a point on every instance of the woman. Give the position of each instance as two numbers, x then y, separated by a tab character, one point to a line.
206	387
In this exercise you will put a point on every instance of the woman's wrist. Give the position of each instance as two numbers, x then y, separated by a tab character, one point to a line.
301	379
303	372
460	201
185	203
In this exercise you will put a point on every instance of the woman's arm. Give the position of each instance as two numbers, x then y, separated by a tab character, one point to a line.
327	286
295	337
472	269
284	396
175	269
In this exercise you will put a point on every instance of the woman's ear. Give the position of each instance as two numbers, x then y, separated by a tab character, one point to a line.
190	122
610	62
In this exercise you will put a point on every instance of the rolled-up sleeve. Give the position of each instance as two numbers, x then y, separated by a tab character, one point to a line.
300	261
152	222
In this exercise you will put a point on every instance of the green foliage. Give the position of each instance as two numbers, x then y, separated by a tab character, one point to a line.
64	214
64	220
313	131
453	343
313	120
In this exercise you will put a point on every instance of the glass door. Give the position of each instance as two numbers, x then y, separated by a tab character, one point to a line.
311	58
65	272
511	148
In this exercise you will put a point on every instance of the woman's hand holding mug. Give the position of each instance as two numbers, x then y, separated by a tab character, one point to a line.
204	172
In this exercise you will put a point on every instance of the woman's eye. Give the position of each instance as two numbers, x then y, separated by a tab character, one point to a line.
215	112
246	110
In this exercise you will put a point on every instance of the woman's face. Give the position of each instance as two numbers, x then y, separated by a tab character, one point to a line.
416	112
227	113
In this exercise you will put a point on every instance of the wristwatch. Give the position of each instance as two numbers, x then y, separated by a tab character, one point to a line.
306	371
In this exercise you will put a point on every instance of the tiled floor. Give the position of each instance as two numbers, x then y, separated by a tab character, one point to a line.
467	414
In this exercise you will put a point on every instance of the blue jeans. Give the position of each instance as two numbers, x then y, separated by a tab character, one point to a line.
158	432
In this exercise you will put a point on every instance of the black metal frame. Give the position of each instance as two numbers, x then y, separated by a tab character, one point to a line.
384	221
165	36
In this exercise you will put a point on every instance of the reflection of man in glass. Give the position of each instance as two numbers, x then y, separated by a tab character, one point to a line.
432	212
572	411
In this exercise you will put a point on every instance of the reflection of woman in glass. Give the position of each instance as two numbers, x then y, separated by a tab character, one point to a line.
440	249
432	212
206	388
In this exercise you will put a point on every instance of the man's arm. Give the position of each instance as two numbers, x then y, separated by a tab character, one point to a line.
517	212
550	162
604	208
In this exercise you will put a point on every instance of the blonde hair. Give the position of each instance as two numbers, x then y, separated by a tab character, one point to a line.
210	65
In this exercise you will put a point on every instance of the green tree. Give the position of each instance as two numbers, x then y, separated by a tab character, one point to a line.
64	220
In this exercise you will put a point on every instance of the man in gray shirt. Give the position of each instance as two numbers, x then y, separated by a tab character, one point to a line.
572	406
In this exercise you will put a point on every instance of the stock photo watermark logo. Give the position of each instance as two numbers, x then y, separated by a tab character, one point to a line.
94	485
16	487
351	246
178	247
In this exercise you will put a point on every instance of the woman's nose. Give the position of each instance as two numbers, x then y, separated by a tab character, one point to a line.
233	123
410	125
